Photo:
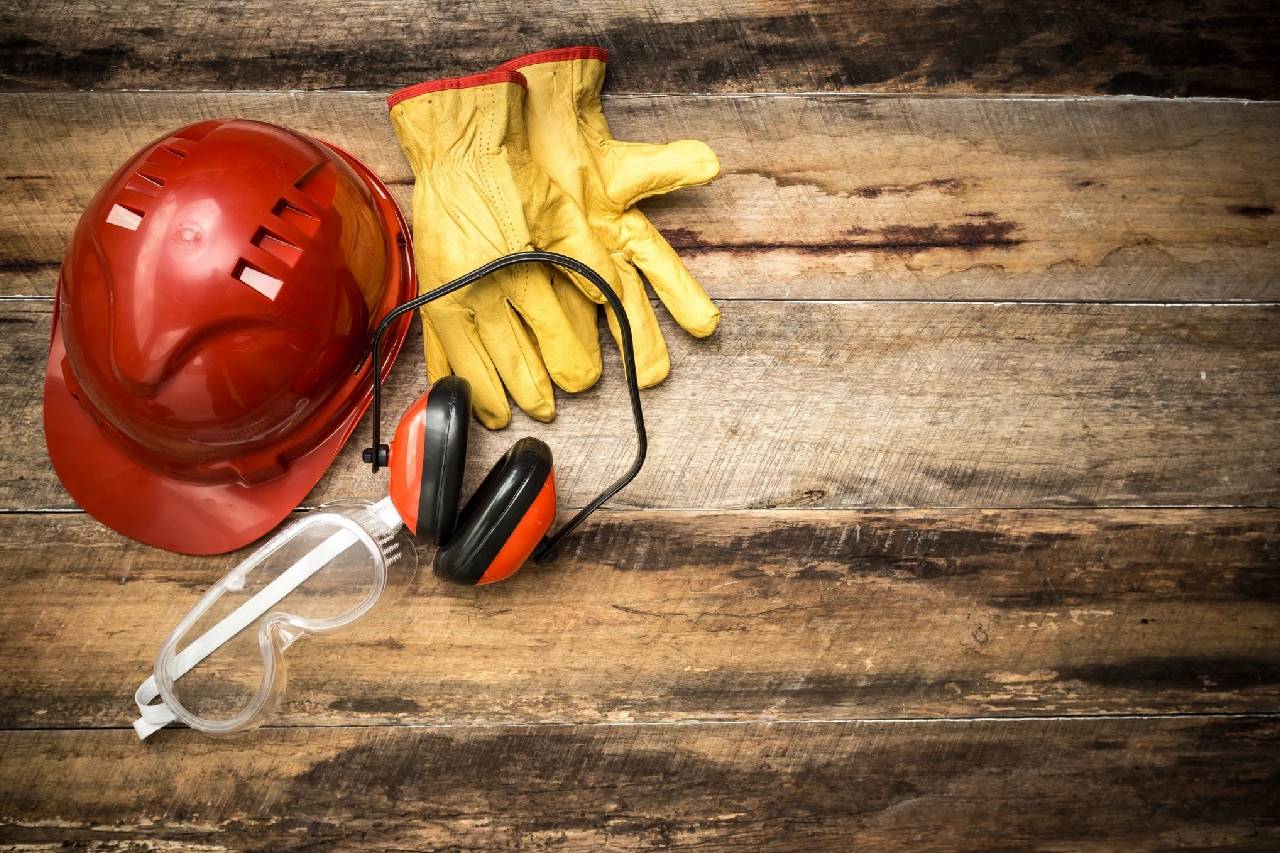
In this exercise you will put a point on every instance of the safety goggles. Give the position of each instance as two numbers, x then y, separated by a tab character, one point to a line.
223	669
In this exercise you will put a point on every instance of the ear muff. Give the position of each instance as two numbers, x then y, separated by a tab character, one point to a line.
504	520
428	458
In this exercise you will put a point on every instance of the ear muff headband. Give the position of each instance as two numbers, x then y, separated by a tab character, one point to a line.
376	454
448	417
494	511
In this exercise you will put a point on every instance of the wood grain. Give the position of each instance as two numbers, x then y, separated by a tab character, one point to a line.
670	616
1209	47
862	404
1032	785
820	197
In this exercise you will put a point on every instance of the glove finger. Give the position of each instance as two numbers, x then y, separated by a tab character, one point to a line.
569	363
678	290
459	338
583	314
652	361
436	355
563	227
636	170
517	359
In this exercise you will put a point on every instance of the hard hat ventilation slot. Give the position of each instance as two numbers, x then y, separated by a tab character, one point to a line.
145	184
124	217
276	246
319	183
174	150
267	285
297	217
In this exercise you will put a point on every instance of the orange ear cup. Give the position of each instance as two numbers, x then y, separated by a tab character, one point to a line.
529	531
506	518
405	463
427	459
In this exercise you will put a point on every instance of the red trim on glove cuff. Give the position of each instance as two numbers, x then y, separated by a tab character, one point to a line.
560	54
498	75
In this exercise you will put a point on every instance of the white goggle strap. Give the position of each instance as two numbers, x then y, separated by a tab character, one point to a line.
156	716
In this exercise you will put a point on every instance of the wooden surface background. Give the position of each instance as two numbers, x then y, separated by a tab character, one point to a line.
961	533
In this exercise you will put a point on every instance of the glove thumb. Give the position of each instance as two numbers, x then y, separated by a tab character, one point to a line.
638	170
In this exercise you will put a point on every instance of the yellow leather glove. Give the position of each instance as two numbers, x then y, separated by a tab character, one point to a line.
478	194
570	138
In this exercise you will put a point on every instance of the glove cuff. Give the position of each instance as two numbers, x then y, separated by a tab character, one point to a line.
560	54
444	123
571	76
498	75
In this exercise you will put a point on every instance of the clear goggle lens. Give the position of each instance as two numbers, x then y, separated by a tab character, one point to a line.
223	668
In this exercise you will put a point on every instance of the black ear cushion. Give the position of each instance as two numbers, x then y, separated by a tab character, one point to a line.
494	511
444	458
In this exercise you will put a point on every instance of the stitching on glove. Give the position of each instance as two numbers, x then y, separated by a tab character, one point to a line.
484	166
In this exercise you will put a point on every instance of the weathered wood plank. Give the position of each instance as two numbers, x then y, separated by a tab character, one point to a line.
863	404
821	197
1211	47
1029	785
669	616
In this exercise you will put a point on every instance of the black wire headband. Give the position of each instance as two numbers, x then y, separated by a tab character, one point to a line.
377	454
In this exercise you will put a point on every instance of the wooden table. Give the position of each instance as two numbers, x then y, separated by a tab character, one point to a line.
960	533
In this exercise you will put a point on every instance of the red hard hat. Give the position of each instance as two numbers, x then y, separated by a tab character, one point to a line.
215	302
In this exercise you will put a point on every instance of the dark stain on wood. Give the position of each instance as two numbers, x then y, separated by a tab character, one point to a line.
980	786
11	266
818	613
799	692
376	705
1149	674
941	184
561	761
26	59
881	546
968	236
791	692
1252	211
986	233
1217	47
1261	582
871	550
